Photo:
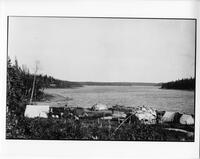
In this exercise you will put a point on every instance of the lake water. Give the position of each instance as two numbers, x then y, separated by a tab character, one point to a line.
160	99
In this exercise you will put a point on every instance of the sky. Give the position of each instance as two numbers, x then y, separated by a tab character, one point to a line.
104	49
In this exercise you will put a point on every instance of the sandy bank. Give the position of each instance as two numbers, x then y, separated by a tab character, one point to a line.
55	100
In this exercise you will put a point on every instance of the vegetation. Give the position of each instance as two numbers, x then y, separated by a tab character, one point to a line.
69	128
183	84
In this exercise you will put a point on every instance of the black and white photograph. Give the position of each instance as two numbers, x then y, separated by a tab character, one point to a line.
101	78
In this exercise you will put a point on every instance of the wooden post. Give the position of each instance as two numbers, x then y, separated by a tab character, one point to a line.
36	69
32	92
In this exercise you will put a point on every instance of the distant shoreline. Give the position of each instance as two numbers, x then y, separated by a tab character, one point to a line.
117	83
177	89
81	84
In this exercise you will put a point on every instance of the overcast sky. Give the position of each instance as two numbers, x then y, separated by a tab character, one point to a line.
99	49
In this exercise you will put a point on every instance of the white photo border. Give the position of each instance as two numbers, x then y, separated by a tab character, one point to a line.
96	149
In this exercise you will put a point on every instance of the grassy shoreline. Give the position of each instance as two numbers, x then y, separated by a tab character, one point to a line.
87	129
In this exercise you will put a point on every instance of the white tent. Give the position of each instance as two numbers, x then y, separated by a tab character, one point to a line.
33	111
187	119
168	117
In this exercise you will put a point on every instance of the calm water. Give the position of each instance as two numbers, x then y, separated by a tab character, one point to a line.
161	99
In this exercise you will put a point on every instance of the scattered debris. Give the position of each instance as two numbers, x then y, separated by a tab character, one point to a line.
56	112
146	115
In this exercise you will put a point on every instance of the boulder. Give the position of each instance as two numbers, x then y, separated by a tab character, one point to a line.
186	119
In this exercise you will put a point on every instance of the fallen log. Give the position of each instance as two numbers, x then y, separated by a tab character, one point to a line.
189	134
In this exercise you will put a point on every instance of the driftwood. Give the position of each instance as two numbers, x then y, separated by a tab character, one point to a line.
189	134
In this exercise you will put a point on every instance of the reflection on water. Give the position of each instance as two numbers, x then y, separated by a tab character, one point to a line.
161	99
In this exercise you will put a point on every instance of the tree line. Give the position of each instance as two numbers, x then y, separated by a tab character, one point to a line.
183	84
20	85
117	83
